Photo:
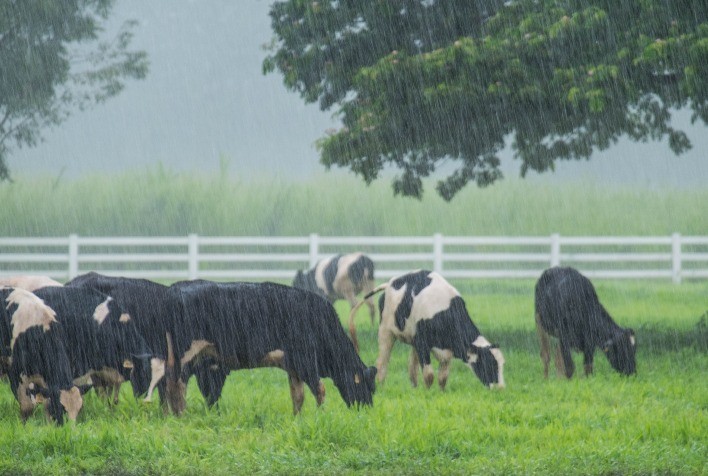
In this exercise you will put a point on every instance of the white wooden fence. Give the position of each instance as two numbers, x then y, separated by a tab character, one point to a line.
672	257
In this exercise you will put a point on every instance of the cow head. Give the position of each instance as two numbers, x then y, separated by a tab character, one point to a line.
57	401
620	351
487	362
357	387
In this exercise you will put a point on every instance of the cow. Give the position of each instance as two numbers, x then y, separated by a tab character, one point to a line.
567	307
233	326
340	277
28	282
423	310
103	342
39	366
146	302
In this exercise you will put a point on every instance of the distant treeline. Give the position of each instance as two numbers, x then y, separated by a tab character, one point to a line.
161	203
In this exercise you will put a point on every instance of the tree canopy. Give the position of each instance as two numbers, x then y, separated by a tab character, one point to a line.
421	83
53	61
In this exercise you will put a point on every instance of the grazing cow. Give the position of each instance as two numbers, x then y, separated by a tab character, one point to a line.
40	368
102	340
340	277
567	307
423	310
232	326
146	302
29	283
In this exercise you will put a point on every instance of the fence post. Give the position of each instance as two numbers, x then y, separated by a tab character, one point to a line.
193	253
73	256
676	258
314	249
437	253
555	250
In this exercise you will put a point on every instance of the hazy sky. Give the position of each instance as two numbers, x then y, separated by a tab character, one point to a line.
205	98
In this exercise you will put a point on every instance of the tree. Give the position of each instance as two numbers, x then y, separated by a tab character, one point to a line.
418	83
53	62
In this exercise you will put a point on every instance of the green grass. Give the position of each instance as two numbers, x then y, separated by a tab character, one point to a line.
654	423
159	203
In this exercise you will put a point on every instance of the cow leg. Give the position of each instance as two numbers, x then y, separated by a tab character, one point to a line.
297	392
444	357
545	346
320	395
26	402
568	367
386	341
588	360
413	367
422	348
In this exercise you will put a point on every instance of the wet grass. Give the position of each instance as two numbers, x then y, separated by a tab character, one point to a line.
654	423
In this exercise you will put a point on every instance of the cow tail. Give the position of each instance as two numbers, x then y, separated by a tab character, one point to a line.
352	325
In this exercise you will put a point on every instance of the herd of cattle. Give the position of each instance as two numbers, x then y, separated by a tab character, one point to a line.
96	331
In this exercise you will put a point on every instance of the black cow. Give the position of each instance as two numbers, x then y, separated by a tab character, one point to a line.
146	302
39	366
567	307
232	326
340	277
423	310
103	343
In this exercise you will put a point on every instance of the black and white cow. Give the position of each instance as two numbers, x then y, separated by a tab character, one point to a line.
423	310
39	366
103	343
28	282
146	302
567	307
340	277
232	326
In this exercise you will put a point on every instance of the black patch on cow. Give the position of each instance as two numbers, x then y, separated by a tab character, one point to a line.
415	283
360	270
330	273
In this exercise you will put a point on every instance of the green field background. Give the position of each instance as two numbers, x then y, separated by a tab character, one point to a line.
653	423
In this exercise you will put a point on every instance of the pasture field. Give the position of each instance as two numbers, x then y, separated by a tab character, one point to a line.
653	423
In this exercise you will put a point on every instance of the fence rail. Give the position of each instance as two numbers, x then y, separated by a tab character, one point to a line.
673	257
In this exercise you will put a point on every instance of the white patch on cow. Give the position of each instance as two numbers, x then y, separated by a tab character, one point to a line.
319	273
83	380
342	284
71	401
632	341
274	358
31	311
158	371
29	283
481	341
102	311
125	317
500	365
472	358
194	349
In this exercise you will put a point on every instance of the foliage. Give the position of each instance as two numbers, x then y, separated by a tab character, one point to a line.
420	83
653	423
52	61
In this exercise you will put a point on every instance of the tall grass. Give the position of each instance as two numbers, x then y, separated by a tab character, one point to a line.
159	202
